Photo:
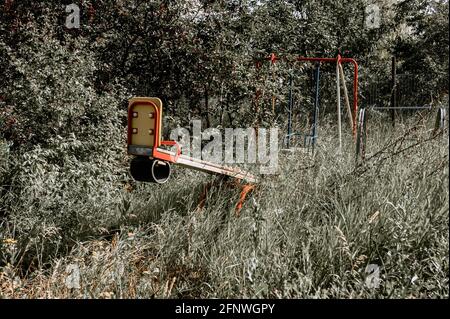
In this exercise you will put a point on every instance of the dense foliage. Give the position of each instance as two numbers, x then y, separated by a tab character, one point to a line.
64	92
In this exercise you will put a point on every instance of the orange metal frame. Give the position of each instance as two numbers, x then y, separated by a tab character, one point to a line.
340	60
156	143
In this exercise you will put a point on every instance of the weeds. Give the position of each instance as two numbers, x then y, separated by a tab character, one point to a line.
309	232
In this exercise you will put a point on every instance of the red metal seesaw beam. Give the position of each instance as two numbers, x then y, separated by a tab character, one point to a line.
355	80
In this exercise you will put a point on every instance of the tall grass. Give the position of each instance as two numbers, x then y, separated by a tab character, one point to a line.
308	232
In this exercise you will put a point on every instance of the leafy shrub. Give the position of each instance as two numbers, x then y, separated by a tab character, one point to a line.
66	163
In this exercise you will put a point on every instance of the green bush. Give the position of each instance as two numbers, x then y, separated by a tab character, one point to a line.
65	166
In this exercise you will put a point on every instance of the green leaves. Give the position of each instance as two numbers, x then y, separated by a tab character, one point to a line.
63	163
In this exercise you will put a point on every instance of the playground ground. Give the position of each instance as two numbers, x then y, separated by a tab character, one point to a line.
322	228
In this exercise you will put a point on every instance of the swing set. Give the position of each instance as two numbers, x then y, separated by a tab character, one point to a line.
340	80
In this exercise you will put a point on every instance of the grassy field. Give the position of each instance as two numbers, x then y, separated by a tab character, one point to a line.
309	232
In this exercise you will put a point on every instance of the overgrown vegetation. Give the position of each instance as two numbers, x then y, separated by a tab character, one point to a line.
308	232
67	200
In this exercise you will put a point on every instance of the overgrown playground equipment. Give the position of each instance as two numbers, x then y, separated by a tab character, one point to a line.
152	160
311	137
441	122
340	80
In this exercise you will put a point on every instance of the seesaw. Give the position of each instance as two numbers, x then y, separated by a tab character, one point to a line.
152	162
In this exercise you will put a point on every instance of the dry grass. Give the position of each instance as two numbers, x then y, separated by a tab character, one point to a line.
308	232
